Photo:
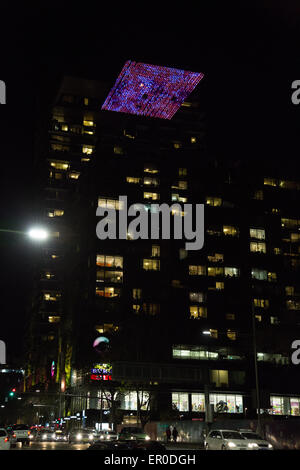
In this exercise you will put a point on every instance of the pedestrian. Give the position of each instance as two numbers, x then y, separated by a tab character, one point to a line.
175	434
168	433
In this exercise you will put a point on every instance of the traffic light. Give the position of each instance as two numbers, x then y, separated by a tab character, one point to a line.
12	392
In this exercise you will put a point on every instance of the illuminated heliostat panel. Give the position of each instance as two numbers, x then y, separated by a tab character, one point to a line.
150	90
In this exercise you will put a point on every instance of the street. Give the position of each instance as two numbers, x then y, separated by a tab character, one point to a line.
67	446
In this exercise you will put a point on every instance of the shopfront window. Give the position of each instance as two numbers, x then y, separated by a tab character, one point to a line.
229	403
198	402
180	401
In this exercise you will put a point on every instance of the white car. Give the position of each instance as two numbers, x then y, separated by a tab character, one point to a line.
255	442
4	439
225	439
22	433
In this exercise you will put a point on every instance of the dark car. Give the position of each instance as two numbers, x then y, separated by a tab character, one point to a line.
109	445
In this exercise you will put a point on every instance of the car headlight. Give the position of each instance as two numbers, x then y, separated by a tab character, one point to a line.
108	437
30	436
53	436
44	436
252	445
91	437
147	438
101	437
231	444
78	437
270	446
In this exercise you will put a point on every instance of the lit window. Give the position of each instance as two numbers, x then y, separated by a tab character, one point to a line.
155	251
293	304
182	184
270	182
180	401
275	210
277	251
258	247
213	201
85	159
257	233
231	334
87	149
107	276
216	258
193	140
289	290
109	261
88	123
151	309
261	303
274	320
51	297
258	318
219	285
272	277
177	145
259	274
232	272
132	179
136	308
290	223
60	148
182	171
198	311
54	319
56	213
60	165
152	196
213	333
65	127
151	181
229	230
108	292
215	271
74	175
295	237
151	264
137	294
86	101
197	270
150	169
197	297
219	377
198	402
110	203
234	403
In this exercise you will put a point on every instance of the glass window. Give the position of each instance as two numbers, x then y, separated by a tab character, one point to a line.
110	203
133	179
88	149
197	270
219	285
258	247
180	401
295	406
258	233
231	334
151	181
230	230
109	276
215	271
151	264
197	297
270	182
155	251
108	292
54	319
198	402
137	293
182	171
152	196
110	261
219	377
197	311
60	165
261	303
259	274
232	403
213	201
232	272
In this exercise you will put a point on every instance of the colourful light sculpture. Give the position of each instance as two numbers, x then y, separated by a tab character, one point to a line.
150	90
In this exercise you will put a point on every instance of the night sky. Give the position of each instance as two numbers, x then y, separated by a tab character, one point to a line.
249	56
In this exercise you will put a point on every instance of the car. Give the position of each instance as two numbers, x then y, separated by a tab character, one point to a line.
80	436
4	439
60	435
45	435
22	433
225	439
255	441
107	435
133	433
109	445
12	437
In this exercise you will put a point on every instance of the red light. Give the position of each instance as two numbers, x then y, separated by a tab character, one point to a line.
6	439
13	389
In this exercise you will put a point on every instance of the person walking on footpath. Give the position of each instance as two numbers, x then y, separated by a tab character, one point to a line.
175	434
168	433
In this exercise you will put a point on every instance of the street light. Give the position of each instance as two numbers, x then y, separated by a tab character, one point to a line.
38	233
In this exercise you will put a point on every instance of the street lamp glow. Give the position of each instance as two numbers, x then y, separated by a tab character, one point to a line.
39	234
206	333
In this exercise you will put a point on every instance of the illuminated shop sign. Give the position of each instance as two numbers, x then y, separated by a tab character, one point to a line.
101	372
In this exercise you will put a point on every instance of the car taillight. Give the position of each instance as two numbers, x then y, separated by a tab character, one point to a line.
6	439
28	433
14	435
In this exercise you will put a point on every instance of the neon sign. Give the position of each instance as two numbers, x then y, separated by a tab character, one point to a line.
150	90
101	372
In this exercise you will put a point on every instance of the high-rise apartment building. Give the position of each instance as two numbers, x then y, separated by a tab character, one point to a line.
130	324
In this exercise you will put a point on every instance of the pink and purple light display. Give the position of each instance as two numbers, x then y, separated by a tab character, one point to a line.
150	90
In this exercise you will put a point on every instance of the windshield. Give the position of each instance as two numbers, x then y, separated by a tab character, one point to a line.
232	435
251	435
20	427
